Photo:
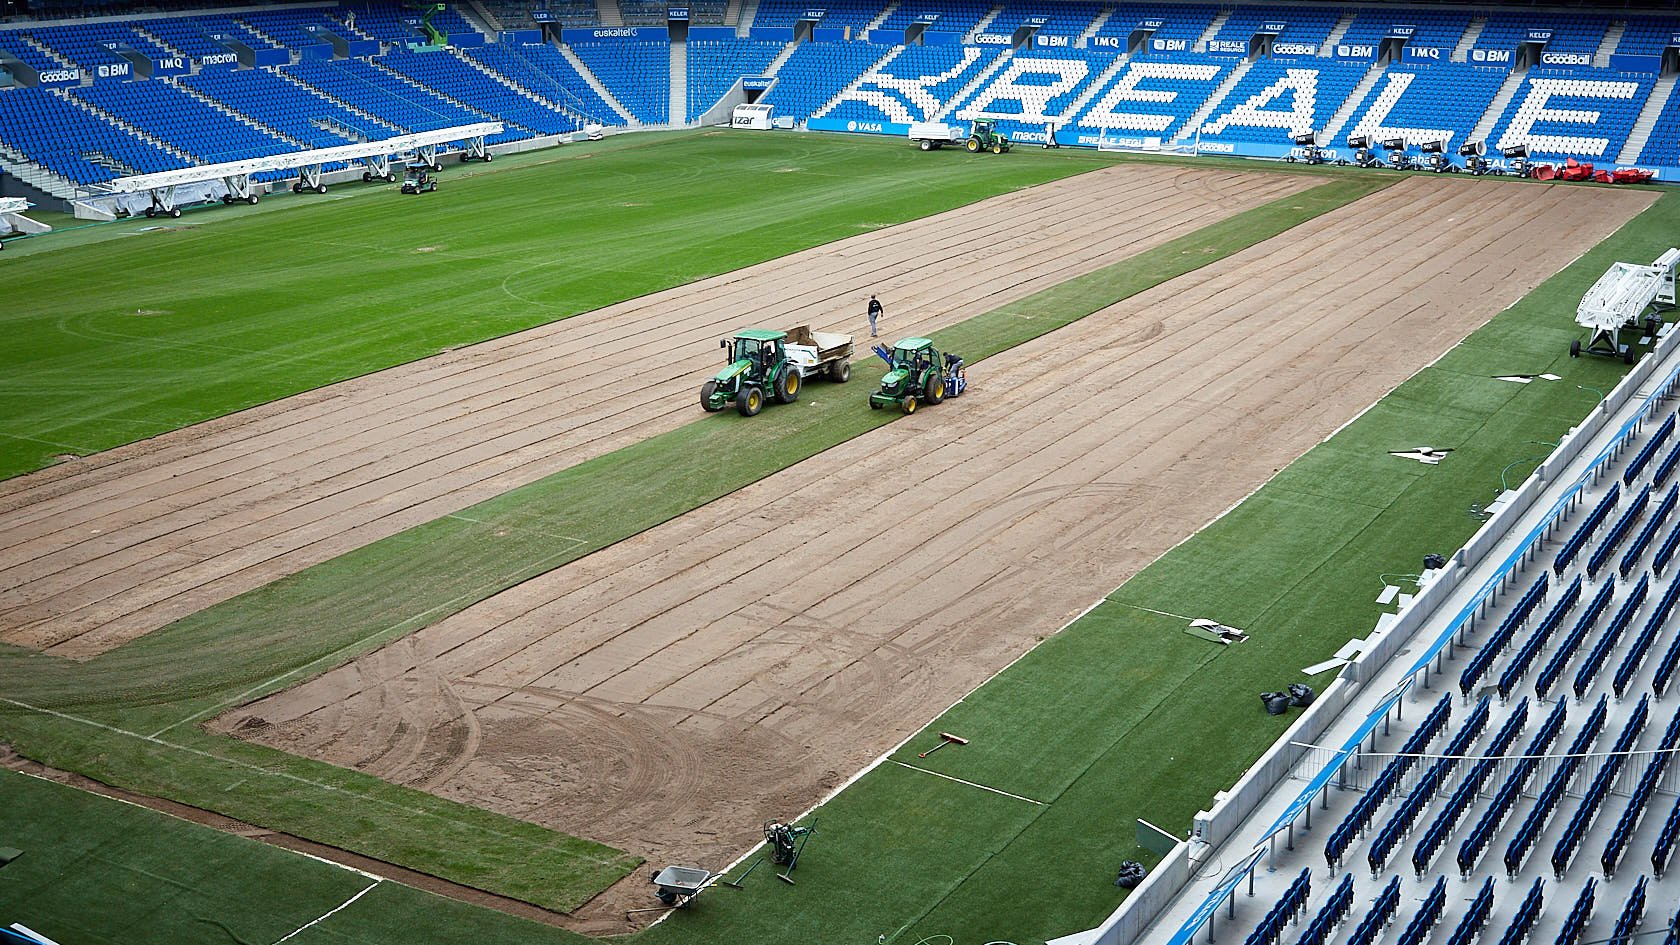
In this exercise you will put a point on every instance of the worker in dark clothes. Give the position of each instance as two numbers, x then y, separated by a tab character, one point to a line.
875	312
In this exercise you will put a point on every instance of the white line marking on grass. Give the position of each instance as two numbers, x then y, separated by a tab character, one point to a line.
349	647
1151	610
324	917
258	769
969	783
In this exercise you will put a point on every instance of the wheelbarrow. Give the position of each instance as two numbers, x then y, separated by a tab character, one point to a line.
678	885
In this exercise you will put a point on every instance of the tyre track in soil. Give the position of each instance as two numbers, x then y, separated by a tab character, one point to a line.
794	613
97	552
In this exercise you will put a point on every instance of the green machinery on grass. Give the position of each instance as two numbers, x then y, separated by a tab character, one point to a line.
917	373
774	363
984	136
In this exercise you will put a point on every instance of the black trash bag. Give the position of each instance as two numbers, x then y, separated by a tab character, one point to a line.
1131	873
1301	695
1276	703
1434	562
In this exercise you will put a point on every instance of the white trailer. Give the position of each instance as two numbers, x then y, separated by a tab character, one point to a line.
820	353
932	135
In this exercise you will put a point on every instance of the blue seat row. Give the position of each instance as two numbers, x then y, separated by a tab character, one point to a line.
1579	915
1636	465
1583	532
1501	637
1612	633
1665	550
1386	782
1334	910
1382	912
1288	906
1633	912
1643	640
1528	913
1469	927
1566	650
1405	814
1538	815
1536	641
1640	799
1417	930
1509	790
1618	531
1435	835
1665	467
1642	539
1587	811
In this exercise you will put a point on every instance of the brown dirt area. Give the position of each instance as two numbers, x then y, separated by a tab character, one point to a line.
669	693
103	550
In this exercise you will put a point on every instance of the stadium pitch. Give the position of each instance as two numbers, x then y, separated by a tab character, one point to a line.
924	857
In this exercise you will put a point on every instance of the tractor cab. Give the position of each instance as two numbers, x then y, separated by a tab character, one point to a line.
757	348
758	366
983	136
917	374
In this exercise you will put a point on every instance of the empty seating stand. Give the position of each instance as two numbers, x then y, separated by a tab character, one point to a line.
1470	851
1572	641
1435	836
1501	636
1584	531
1639	801
1288	906
1380	915
1535	641
1527	914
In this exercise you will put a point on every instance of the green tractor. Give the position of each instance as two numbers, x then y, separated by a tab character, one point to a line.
758	360
985	137
917	374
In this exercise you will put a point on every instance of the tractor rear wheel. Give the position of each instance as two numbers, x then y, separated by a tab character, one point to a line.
787	386
908	404
749	402
973	145
706	391
840	372
933	391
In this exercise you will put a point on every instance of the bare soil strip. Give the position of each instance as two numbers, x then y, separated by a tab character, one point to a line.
100	551
669	693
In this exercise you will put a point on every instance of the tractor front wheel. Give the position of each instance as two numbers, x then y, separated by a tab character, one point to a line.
787	386
749	402
707	390
933	391
908	404
997	148
973	145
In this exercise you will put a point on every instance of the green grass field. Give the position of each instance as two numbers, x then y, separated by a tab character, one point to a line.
184	320
1096	723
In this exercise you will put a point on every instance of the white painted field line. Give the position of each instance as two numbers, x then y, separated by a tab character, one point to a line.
307	667
1151	610
973	784
325	916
